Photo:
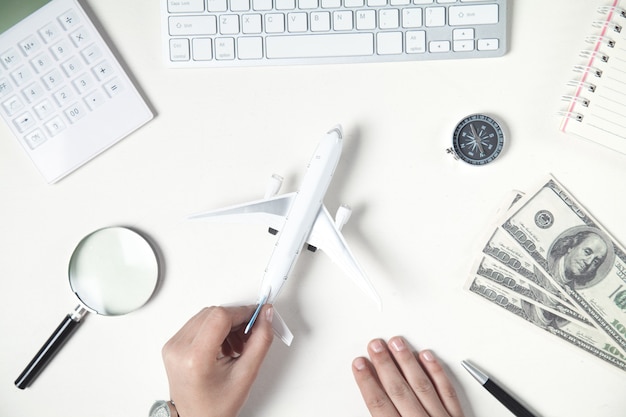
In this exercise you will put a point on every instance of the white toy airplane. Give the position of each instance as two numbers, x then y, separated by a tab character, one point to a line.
299	218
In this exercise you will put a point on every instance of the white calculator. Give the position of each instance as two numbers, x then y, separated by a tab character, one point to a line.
62	91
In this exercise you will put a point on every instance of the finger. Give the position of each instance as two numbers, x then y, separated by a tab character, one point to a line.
442	383
394	383
184	335
376	399
258	344
417	378
216	325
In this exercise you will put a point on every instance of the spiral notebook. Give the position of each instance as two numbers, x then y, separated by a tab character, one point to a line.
596	103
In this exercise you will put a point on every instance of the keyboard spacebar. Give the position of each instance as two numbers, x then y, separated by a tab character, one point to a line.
319	46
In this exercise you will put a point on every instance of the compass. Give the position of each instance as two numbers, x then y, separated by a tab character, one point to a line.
478	139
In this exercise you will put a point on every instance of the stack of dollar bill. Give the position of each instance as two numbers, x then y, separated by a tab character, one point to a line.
549	262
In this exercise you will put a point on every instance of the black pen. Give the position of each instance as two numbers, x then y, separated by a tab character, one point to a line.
509	402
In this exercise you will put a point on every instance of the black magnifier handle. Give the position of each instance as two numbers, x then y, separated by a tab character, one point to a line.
50	348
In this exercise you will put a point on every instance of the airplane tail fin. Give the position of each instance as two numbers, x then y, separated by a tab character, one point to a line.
281	330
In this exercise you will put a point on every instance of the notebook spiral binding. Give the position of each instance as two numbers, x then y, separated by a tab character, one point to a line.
582	84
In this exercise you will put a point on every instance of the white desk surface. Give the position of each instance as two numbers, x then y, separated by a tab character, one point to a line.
419	217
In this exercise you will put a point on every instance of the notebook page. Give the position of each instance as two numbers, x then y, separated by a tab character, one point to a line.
596	108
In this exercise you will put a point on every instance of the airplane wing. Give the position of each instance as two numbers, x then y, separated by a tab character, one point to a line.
269	212
325	236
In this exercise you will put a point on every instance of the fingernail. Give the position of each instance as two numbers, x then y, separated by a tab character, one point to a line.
398	344
269	314
377	346
428	356
359	364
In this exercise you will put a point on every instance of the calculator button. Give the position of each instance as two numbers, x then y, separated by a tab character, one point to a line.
5	87
72	66
13	105
52	79
55	126
63	96
30	45
83	83
61	49
24	122
10	58
33	92
80	37
75	112
22	75
95	99
43	109
91	53
69	19
41	63
35	138
103	70
50	32
114	87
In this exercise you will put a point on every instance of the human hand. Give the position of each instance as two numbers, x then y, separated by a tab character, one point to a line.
211	364
397	382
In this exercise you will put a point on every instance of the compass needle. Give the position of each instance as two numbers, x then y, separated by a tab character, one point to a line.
477	140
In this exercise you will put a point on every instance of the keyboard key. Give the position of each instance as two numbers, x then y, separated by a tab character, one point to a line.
10	58
179	50
72	66
83	83
389	43
75	112
224	48
415	42
274	23
229	24
95	99
463	46
12	105
69	19
435	16
5	87
439	46
297	22
488	44
216	5
34	139
239	5
55	126
30	45
43	109
342	20
202	49
411	18
320	21
24	122
33	92
250	47
103	70
185	6
315	46
50	32
262	4
63	96
251	23
42	63
91	53
480	14
193	25
22	75
113	87
61	49
52	79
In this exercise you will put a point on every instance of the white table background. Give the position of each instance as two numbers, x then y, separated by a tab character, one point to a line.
419	219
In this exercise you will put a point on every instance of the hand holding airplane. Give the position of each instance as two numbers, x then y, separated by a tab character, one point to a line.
298	219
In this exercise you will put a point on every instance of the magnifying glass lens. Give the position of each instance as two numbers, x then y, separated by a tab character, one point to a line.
113	271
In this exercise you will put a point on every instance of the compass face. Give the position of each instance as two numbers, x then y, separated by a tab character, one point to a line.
478	139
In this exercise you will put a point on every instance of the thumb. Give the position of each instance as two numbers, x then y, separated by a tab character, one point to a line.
260	340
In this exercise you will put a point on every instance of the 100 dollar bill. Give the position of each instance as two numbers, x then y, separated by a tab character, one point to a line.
580	335
580	257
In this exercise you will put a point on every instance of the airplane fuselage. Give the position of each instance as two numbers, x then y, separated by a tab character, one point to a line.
300	219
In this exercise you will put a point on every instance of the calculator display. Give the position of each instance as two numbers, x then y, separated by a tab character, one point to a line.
13	11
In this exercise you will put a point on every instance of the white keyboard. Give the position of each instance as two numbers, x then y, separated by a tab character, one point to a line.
222	33
62	91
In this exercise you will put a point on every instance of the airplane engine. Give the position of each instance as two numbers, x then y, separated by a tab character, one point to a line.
273	186
343	215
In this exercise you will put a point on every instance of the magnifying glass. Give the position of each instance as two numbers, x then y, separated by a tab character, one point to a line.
112	271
